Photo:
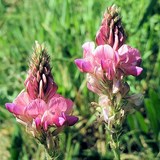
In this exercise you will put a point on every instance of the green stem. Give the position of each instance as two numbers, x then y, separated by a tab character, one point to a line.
114	143
47	156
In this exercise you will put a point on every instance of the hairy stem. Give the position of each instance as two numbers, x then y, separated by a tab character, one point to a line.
114	143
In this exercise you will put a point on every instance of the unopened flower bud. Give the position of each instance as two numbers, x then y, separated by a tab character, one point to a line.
111	31
41	72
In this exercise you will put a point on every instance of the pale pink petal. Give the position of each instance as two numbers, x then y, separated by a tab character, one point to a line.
129	55
105	53
129	60
19	112
35	108
47	119
88	47
61	121
99	54
22	99
109	68
123	49
50	119
57	105
105	113
84	65
108	52
93	88
69	106
116	58
15	109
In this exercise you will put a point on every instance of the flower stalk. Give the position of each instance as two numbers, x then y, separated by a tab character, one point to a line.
114	143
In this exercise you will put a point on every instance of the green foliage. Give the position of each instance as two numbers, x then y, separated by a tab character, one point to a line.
153	112
64	26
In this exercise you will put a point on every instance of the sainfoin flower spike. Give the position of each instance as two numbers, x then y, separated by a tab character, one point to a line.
106	64
39	107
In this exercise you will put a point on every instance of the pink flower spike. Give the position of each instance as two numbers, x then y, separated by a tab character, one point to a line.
38	107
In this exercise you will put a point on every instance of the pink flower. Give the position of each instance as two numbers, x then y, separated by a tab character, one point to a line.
94	61
129	60
56	112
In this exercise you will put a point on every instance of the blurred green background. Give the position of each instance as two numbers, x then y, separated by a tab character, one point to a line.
64	25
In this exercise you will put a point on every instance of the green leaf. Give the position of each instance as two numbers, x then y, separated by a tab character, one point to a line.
155	101
151	114
141	121
16	144
132	122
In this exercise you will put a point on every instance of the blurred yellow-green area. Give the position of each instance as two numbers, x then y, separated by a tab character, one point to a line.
64	25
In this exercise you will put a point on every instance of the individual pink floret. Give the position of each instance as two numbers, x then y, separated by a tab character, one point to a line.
102	58
86	64
129	60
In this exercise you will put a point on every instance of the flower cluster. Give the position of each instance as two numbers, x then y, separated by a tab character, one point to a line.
38	106
107	65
